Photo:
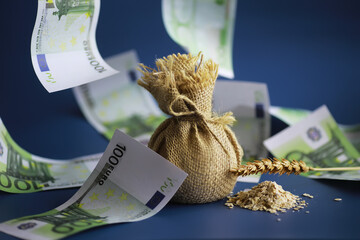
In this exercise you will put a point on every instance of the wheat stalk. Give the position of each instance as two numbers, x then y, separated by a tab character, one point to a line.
274	166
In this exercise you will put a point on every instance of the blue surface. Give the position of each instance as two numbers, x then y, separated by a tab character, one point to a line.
306	51
326	219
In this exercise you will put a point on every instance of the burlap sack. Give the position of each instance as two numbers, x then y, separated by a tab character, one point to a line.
194	139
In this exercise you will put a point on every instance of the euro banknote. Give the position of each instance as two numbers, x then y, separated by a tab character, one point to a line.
202	25
352	133
319	142
130	183
63	46
290	116
293	115
117	102
249	102
22	172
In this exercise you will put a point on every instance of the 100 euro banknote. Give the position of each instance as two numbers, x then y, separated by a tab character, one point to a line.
118	102
318	141
22	172
249	102
202	25
130	183
63	46
293	115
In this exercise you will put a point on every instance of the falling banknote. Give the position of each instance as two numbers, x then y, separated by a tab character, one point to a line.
249	102
130	183
203	25
319	142
63	46
22	172
117	102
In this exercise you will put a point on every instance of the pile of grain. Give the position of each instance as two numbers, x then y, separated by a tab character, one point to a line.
266	196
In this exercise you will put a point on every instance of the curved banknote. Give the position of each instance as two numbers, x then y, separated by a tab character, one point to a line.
130	183
319	142
293	115
22	172
117	102
202	25
63	46
249	102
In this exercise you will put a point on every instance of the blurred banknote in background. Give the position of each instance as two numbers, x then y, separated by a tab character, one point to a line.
22	172
352	133
203	25
290	116
63	46
249	102
130	183
293	115
117	102
319	142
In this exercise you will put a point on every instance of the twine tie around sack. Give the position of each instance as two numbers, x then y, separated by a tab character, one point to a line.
196	115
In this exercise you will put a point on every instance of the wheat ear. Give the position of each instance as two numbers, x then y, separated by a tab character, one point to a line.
274	166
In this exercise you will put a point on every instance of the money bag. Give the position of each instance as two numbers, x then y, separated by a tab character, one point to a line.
193	138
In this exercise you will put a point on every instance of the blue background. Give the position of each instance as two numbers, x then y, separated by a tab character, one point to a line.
306	51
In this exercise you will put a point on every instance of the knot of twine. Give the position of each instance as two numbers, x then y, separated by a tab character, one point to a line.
226	119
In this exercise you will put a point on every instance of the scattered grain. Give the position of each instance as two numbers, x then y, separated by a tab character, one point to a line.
308	195
266	196
230	205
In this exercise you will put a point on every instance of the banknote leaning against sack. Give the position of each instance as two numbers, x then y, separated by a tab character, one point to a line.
194	138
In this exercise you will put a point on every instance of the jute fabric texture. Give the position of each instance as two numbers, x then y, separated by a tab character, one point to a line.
193	138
